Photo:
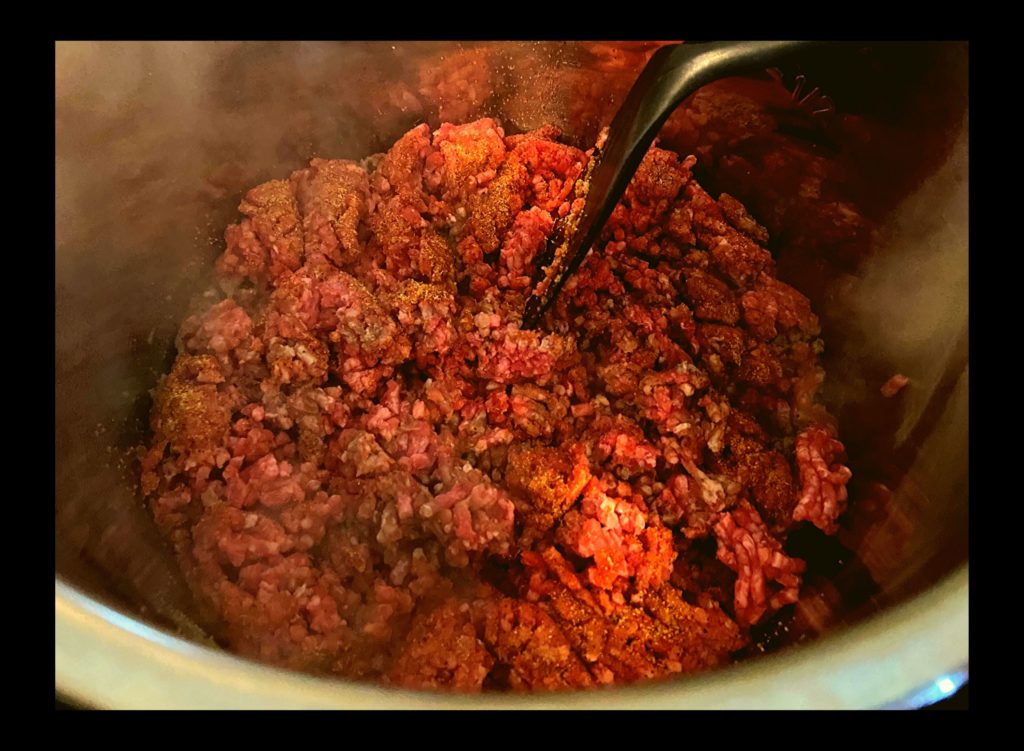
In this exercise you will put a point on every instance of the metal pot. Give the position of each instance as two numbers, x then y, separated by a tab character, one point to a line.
864	192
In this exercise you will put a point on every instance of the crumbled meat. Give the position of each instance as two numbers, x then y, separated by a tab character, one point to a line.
442	651
332	195
268	243
370	469
823	479
894	385
765	576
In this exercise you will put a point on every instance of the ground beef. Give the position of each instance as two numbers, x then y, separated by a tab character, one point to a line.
746	546
269	243
368	468
442	651
332	197
894	385
823	478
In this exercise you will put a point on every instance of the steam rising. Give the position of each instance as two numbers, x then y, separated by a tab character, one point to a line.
156	143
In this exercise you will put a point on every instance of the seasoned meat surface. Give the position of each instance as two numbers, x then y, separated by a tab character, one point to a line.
369	469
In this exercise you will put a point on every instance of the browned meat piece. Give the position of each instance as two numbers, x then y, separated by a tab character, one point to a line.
772	307
471	155
332	194
710	298
524	638
550	479
269	243
189	411
658	635
442	651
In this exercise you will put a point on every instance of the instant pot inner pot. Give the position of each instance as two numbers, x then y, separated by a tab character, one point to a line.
862	184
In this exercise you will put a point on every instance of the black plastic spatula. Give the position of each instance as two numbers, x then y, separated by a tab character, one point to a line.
672	74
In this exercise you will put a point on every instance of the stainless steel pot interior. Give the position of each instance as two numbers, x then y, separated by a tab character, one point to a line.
157	141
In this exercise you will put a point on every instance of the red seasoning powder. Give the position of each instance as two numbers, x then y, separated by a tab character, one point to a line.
368	469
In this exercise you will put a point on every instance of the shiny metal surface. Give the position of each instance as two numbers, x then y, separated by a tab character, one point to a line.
157	141
121	663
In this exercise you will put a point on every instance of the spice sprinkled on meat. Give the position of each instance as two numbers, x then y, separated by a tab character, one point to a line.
368	468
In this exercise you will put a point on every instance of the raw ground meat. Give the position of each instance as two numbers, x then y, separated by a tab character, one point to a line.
368	469
894	385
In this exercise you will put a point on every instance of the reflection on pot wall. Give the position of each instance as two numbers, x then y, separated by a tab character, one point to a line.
862	185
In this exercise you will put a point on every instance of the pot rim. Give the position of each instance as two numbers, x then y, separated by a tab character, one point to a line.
106	659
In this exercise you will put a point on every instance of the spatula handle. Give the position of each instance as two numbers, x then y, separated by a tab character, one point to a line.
672	74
